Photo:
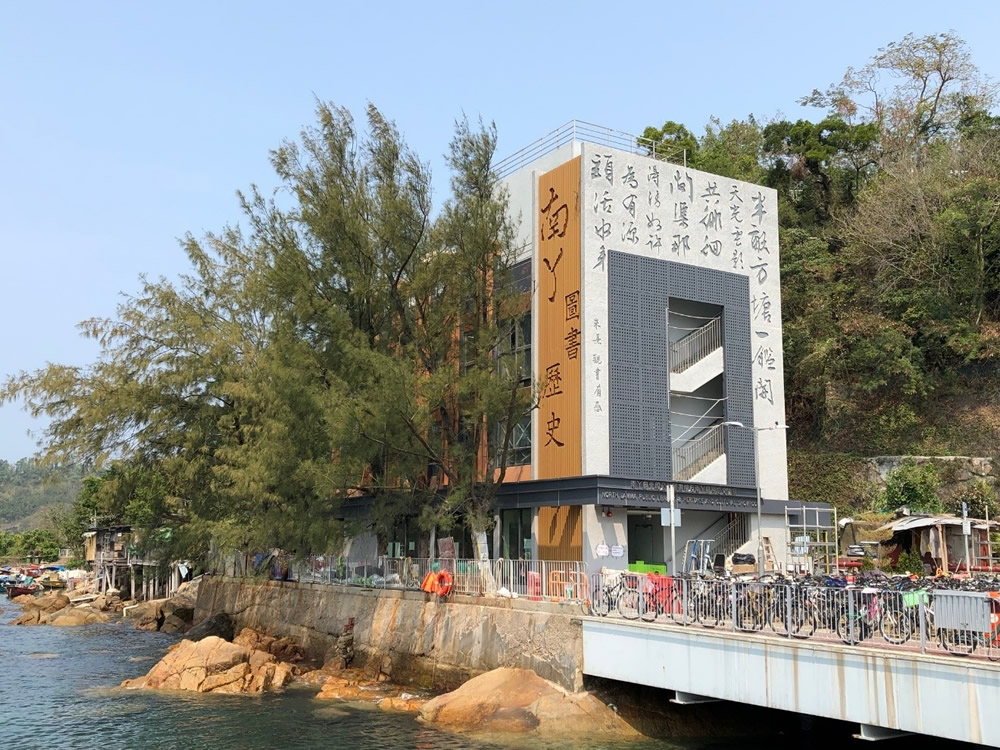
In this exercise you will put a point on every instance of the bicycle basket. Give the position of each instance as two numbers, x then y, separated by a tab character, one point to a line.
915	598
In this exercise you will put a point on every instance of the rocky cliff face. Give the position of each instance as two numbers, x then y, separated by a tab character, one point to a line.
402	634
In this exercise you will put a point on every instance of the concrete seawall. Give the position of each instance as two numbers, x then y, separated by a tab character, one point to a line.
418	639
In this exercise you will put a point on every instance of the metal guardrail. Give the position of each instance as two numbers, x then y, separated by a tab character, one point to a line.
539	580
578	130
695	346
535	580
956	622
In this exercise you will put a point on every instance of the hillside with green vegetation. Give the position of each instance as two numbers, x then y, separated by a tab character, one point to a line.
32	495
889	210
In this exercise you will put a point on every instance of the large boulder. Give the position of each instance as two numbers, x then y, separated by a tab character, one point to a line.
74	616
31	617
152	608
518	701
220	626
213	665
172	623
178	604
47	603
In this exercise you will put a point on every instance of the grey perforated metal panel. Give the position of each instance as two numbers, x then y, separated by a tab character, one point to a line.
639	289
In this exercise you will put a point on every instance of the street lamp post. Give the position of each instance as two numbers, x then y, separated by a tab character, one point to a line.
756	478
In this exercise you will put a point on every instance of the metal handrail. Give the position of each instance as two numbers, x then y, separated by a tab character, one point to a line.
695	346
695	455
579	130
735	534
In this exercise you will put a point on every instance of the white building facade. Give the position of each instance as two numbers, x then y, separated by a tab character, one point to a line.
656	340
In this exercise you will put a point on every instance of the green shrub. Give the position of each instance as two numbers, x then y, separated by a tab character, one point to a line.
979	496
909	562
913	485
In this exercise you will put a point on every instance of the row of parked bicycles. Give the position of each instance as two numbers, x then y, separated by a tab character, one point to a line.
896	609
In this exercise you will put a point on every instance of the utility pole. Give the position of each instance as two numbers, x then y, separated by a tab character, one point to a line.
673	531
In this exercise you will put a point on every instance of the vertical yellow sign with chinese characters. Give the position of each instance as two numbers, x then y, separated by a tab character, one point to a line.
560	323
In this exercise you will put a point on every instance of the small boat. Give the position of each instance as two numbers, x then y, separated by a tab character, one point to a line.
15	591
50	580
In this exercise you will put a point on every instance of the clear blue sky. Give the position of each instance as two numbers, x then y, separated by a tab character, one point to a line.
125	125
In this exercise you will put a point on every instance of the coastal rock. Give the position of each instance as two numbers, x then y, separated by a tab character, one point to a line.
519	701
147	622
284	649
73	617
314	677
23	599
174	624
46	603
351	686
402	704
180	604
218	626
148	609
213	665
31	617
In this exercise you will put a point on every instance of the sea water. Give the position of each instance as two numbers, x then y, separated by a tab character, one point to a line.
58	689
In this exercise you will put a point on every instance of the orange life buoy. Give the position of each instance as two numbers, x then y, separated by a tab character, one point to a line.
443	587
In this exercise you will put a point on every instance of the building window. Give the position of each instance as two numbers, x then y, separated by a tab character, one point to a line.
519	453
515	349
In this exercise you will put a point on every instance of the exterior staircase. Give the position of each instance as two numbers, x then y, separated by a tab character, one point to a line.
692	456
733	535
696	358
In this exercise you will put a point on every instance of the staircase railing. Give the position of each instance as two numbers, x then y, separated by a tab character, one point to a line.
735	534
691	457
695	346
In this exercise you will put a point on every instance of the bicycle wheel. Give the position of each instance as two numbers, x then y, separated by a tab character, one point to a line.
600	602
776	614
675	608
959	642
706	610
896	626
804	619
749	614
844	629
628	604
648	610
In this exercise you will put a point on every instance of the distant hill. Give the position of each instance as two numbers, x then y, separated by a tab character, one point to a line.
29	492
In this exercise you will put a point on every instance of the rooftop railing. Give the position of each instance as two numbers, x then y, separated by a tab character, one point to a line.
578	130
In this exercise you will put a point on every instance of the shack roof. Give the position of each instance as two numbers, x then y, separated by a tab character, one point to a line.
909	523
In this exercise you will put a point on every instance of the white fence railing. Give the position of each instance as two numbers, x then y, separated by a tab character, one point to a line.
543	579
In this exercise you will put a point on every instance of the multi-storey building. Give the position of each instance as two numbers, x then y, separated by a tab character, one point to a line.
656	337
